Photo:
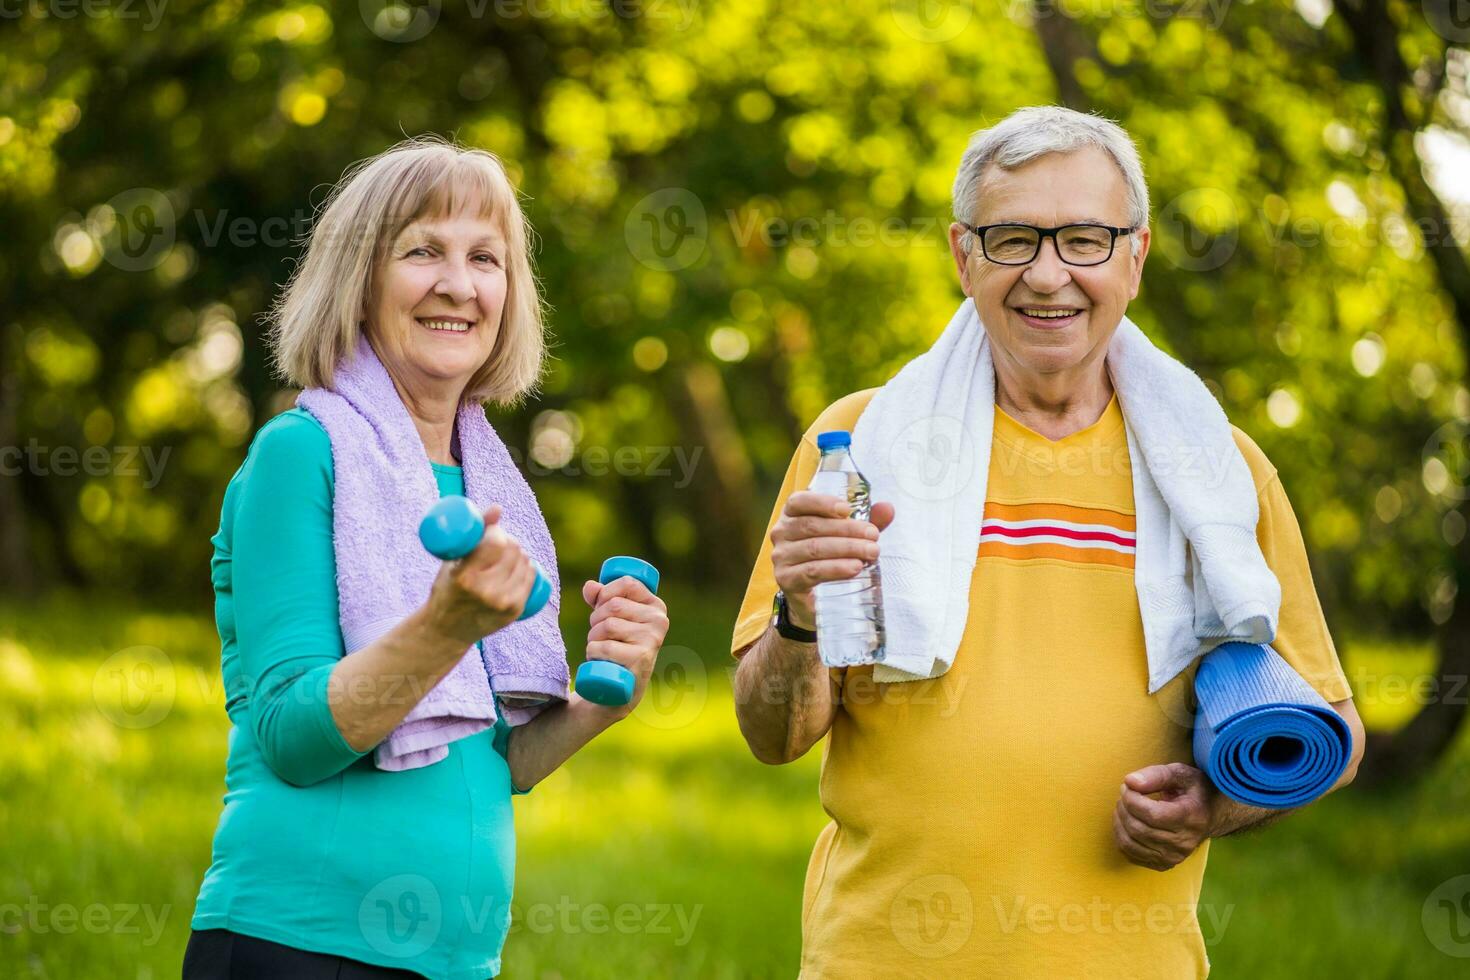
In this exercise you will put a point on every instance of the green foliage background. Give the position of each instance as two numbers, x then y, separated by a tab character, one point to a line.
820	144
741	210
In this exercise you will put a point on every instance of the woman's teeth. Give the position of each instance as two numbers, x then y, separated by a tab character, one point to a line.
453	326
1049	314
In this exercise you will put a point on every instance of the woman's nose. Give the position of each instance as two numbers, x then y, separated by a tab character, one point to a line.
456	283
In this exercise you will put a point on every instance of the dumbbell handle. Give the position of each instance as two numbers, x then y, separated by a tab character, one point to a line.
453	528
602	681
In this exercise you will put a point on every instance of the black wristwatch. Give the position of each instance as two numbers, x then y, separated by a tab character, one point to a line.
785	627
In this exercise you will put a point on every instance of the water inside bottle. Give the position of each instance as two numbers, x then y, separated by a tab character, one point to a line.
850	612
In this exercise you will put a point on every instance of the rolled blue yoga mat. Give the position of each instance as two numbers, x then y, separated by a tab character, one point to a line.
1261	733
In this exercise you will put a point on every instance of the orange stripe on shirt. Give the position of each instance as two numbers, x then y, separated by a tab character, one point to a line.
1063	512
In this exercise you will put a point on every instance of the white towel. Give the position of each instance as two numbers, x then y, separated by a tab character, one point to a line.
924	444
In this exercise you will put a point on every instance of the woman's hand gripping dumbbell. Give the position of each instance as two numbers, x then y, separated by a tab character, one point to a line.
507	585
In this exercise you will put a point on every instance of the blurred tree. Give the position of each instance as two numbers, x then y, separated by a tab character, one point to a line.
1413	98
742	213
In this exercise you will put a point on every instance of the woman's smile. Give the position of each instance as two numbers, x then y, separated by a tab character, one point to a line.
446	325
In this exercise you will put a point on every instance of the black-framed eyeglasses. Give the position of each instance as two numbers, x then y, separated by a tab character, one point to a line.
1081	244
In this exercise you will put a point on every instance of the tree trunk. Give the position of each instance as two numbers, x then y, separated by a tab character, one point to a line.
1413	750
17	577
723	483
1062	44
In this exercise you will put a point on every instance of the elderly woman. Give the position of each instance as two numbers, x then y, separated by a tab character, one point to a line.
367	829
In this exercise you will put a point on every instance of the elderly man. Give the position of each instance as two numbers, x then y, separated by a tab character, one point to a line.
1028	807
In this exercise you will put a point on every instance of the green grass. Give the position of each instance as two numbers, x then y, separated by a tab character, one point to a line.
666	816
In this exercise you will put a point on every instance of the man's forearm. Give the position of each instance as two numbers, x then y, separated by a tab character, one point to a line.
784	700
1229	817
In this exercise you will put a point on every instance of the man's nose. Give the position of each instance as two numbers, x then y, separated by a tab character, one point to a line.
1047	273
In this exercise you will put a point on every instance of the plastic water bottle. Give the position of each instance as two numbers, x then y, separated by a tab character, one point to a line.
849	612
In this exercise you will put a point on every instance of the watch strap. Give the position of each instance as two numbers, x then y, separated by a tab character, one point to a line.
786	628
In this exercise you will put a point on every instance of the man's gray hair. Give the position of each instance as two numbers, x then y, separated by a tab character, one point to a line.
1036	131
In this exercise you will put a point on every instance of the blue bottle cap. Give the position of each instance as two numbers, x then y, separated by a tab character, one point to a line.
831	440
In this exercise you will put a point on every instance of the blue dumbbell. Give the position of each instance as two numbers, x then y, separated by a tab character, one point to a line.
453	528
602	681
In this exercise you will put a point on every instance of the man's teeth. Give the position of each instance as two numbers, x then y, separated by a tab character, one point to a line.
453	326
1048	314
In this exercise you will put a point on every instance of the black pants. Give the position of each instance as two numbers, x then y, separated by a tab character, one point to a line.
219	954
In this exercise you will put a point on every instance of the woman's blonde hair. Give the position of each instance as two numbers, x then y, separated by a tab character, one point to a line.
316	321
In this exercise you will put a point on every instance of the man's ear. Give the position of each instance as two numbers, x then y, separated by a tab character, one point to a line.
1144	237
957	233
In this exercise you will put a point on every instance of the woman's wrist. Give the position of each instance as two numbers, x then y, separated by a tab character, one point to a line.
427	634
596	718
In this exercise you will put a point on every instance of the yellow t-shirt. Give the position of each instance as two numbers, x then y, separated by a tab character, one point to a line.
971	829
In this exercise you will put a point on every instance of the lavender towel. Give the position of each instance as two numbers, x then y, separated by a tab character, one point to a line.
383	485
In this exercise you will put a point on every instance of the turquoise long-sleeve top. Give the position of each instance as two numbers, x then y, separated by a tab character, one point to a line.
316	847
